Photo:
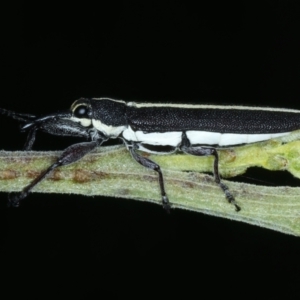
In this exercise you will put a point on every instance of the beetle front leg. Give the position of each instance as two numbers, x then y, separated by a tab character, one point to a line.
30	139
205	151
155	167
70	155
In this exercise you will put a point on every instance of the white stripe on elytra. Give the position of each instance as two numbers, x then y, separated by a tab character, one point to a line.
201	106
204	106
228	139
174	138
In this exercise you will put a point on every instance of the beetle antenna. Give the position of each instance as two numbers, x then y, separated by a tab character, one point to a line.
17	116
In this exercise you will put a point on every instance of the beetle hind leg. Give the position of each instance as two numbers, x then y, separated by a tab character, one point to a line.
205	151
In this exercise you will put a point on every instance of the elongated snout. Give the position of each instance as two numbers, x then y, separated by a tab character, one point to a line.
52	118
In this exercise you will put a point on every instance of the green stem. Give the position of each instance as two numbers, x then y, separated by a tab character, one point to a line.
111	172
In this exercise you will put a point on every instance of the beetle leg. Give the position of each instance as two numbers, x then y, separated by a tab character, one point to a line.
30	139
205	151
17	116
70	155
155	167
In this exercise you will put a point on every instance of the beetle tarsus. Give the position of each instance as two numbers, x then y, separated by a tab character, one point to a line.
166	204
229	196
237	208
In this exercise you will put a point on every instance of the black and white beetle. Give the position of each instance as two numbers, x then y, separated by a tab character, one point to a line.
156	128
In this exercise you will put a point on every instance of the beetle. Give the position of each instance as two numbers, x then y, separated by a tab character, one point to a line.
156	128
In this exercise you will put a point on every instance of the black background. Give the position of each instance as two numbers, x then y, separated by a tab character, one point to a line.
223	52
